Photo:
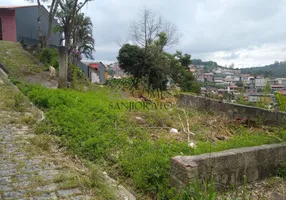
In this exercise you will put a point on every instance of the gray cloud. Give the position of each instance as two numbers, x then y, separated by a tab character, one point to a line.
206	26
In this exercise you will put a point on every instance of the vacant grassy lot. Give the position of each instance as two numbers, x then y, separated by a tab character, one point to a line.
137	145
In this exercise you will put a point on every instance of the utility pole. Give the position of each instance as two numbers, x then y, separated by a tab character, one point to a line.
63	67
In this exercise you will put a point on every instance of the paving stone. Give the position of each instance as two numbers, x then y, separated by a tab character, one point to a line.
49	174
8	172
24	177
5	188
32	168
5	180
18	168
11	150
69	192
50	196
6	166
14	194
23	184
81	197
47	188
33	162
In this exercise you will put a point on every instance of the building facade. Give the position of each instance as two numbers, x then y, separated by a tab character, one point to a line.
19	24
97	72
260	83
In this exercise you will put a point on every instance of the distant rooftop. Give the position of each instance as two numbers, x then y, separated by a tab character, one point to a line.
14	7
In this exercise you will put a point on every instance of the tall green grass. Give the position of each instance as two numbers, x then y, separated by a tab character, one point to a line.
89	127
281	101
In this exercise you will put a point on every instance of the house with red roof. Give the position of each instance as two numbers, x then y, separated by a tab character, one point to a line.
19	24
97	72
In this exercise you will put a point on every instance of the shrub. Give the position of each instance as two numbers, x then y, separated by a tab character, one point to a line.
49	56
281	101
281	170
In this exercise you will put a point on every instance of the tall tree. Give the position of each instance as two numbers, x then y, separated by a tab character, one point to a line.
53	9
82	36
185	59
67	15
40	31
44	39
148	28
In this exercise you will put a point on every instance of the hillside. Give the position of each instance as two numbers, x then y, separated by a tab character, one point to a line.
22	64
208	65
278	69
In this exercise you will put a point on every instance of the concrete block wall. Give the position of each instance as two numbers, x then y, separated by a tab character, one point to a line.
235	111
228	167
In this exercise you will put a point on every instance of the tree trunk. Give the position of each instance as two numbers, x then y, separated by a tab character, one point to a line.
68	36
52	13
41	36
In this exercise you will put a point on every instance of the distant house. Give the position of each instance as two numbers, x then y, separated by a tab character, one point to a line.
218	79
19	23
277	87
260	83
257	96
209	77
84	67
281	81
228	80
97	72
252	90
232	88
250	83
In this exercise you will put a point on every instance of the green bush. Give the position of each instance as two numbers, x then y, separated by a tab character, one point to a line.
123	82
281	170
49	56
281	101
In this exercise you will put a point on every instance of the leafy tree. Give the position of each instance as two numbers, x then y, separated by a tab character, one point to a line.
130	59
82	38
185	59
147	61
53	9
240	84
111	72
148	29
67	15
267	88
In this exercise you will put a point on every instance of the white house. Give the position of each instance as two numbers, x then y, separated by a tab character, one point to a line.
97	72
260	83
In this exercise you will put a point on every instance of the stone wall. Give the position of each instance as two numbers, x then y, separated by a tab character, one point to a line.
235	111
228	167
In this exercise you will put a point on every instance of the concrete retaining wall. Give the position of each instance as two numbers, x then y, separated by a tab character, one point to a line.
228	167
235	111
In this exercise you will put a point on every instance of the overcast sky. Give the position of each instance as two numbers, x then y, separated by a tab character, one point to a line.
243	32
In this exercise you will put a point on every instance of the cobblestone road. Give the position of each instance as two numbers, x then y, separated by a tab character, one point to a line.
24	172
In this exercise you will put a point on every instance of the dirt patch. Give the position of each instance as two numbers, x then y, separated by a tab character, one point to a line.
42	78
